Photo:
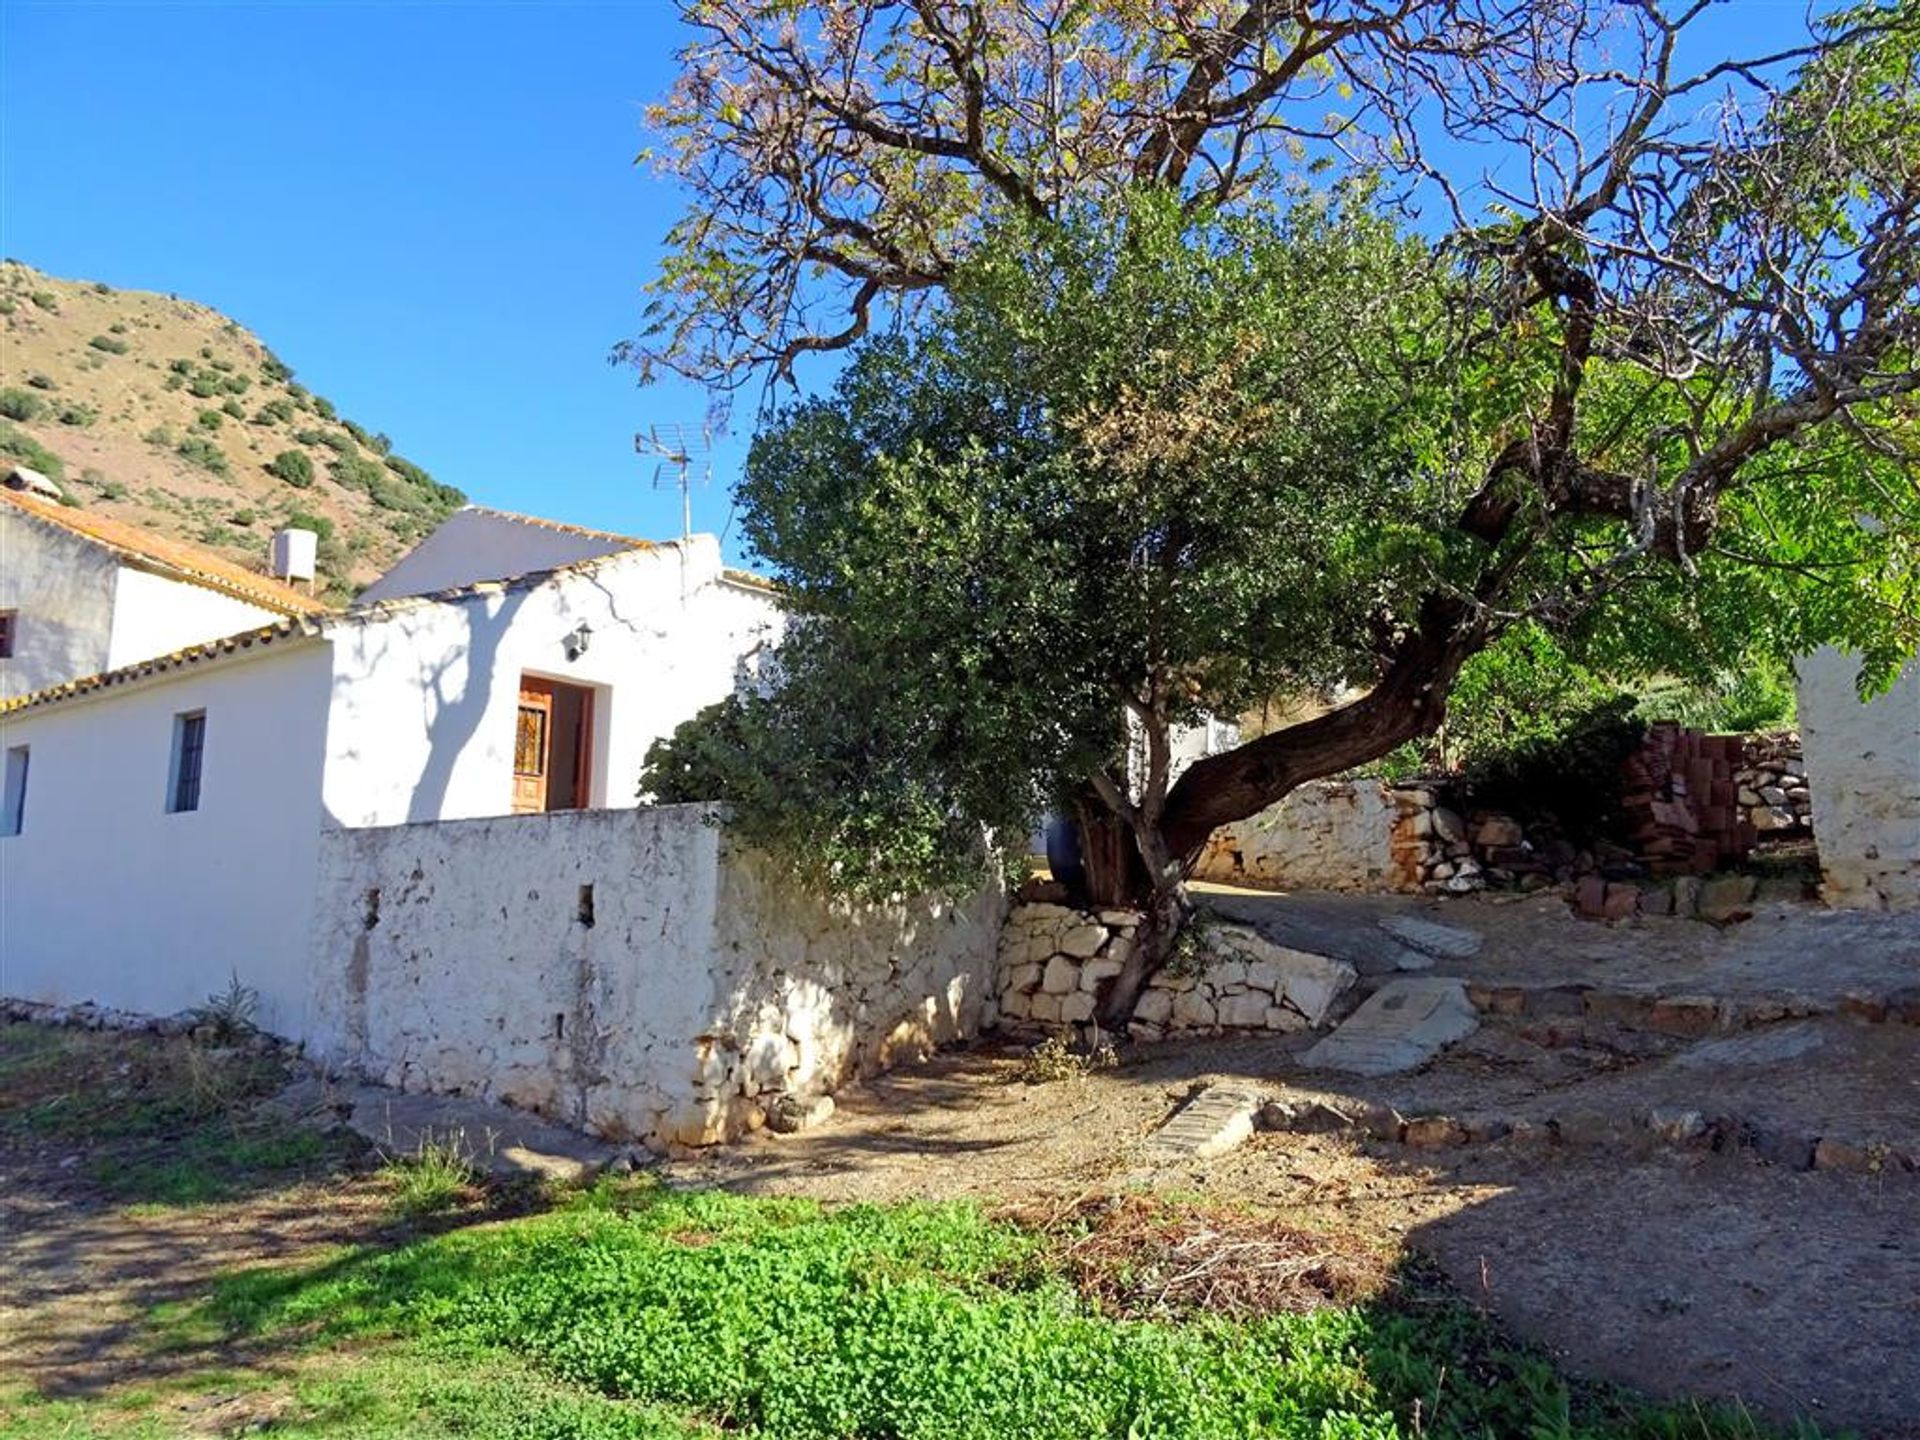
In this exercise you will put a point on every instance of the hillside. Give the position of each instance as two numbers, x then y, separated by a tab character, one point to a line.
166	414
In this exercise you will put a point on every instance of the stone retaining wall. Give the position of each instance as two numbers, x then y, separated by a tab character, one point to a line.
1056	961
1773	786
1344	835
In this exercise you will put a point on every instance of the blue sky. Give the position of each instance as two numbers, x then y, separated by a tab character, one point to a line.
431	211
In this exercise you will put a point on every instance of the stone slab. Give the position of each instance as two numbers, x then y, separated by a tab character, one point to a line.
1216	1120
1430	937
1767	1047
1400	1027
495	1139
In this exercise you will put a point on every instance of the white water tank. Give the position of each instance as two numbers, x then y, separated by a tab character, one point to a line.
293	554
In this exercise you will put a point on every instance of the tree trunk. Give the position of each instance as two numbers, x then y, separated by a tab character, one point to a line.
1115	878
1167	913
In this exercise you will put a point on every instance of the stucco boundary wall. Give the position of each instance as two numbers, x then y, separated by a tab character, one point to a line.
633	973
1350	835
1863	768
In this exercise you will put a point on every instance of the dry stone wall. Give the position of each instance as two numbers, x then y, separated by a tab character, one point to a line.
1344	835
629	972
1773	790
1057	961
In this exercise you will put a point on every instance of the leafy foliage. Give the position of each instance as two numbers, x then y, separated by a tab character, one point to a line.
204	453
23	449
21	404
1171	458
293	466
1571	775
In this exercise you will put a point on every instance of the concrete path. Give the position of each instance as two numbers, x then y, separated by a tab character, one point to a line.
494	1139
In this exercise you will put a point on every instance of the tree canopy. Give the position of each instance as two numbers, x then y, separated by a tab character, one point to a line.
1179	433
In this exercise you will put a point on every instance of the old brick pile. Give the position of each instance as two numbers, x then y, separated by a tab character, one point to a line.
1680	801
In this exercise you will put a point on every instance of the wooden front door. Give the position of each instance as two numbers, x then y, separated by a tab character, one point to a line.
532	745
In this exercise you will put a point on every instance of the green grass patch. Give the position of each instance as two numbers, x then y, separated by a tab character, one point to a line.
382	1392
779	1318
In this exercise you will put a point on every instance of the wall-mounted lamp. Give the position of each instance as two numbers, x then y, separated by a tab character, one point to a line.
577	640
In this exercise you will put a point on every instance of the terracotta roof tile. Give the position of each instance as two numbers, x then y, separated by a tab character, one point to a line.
173	558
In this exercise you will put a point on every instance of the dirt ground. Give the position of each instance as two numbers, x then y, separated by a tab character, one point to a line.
1684	1275
1683	1272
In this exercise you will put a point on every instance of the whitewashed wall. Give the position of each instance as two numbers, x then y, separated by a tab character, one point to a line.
1329	835
480	544
1863	766
425	698
156	616
62	588
693	988
105	896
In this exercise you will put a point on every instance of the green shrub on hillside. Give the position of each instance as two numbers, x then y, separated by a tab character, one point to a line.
21	404
117	328
323	407
234	409
310	436
74	413
358	433
338	443
306	520
159	435
277	410
100	287
209	419
174	382
292	466
204	453
45	299
23	449
111	344
236	384
206	384
39	380
182	368
274	369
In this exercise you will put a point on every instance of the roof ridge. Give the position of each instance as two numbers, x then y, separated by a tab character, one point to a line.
179	559
562	526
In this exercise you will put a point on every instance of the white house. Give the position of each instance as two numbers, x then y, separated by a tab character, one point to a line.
162	820
81	593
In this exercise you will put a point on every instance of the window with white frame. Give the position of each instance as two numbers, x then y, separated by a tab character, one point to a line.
189	756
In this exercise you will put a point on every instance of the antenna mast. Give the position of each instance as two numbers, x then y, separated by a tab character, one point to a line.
683	457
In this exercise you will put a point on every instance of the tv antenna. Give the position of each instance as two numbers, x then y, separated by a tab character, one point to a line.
683	457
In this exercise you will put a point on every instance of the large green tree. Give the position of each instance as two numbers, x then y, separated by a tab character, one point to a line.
1167	442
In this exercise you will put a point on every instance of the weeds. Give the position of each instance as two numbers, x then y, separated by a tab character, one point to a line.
1055	1059
232	1014
435	1175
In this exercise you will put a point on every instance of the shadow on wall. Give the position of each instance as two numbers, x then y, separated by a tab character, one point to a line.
454	680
